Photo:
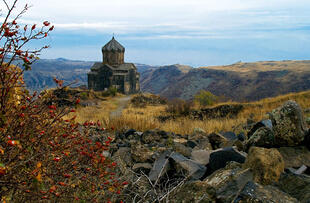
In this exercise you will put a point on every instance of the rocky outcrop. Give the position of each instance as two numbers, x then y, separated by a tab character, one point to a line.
298	186
219	158
269	164
288	124
254	192
266	164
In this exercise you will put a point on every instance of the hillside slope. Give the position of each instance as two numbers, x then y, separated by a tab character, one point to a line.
71	71
44	70
239	82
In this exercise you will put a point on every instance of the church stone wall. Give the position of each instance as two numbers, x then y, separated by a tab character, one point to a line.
113	58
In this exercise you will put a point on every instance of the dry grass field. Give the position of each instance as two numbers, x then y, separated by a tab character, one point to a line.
145	118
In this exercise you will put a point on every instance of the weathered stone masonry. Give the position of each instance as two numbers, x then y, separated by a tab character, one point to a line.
113	71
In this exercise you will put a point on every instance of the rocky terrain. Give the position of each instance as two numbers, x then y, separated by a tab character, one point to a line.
269	161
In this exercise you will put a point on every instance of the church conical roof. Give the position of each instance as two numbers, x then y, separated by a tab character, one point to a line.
113	45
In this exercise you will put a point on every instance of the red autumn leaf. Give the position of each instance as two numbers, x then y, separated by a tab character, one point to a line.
51	28
33	27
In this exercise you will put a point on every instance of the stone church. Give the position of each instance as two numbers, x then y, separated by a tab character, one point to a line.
113	71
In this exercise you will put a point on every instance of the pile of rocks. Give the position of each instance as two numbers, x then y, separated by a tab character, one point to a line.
271	163
141	100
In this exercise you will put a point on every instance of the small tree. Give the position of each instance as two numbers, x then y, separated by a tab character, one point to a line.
43	156
206	98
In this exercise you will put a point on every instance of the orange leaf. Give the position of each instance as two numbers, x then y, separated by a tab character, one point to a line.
39	164
53	188
1	150
39	177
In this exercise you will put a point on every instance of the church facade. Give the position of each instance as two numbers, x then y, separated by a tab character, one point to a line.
113	71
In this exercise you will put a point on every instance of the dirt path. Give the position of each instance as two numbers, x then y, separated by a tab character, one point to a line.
122	102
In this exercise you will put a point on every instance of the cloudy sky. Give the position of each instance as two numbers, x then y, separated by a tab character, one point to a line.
192	32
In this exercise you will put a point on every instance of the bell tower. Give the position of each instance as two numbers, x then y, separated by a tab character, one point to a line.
113	53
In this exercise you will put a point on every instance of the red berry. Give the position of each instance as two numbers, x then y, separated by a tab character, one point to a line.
46	23
57	159
12	142
67	175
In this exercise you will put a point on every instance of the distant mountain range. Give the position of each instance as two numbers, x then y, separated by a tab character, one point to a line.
71	71
239	82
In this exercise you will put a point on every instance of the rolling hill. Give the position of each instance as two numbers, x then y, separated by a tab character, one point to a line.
239	82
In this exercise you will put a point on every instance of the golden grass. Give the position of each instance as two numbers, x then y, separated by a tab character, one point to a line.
99	112
143	119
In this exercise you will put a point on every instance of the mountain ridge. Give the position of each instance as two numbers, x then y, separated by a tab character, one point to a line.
241	81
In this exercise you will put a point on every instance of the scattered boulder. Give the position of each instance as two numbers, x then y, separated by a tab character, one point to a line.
201	156
182	149
220	111
301	170
194	191
266	164
241	136
219	158
143	100
240	146
191	143
141	153
180	140
263	123
130	132
124	154
231	136
187	166
297	186
160	166
288	124
262	137
203	144
217	140
254	192
150	136
123	159
295	157
223	184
